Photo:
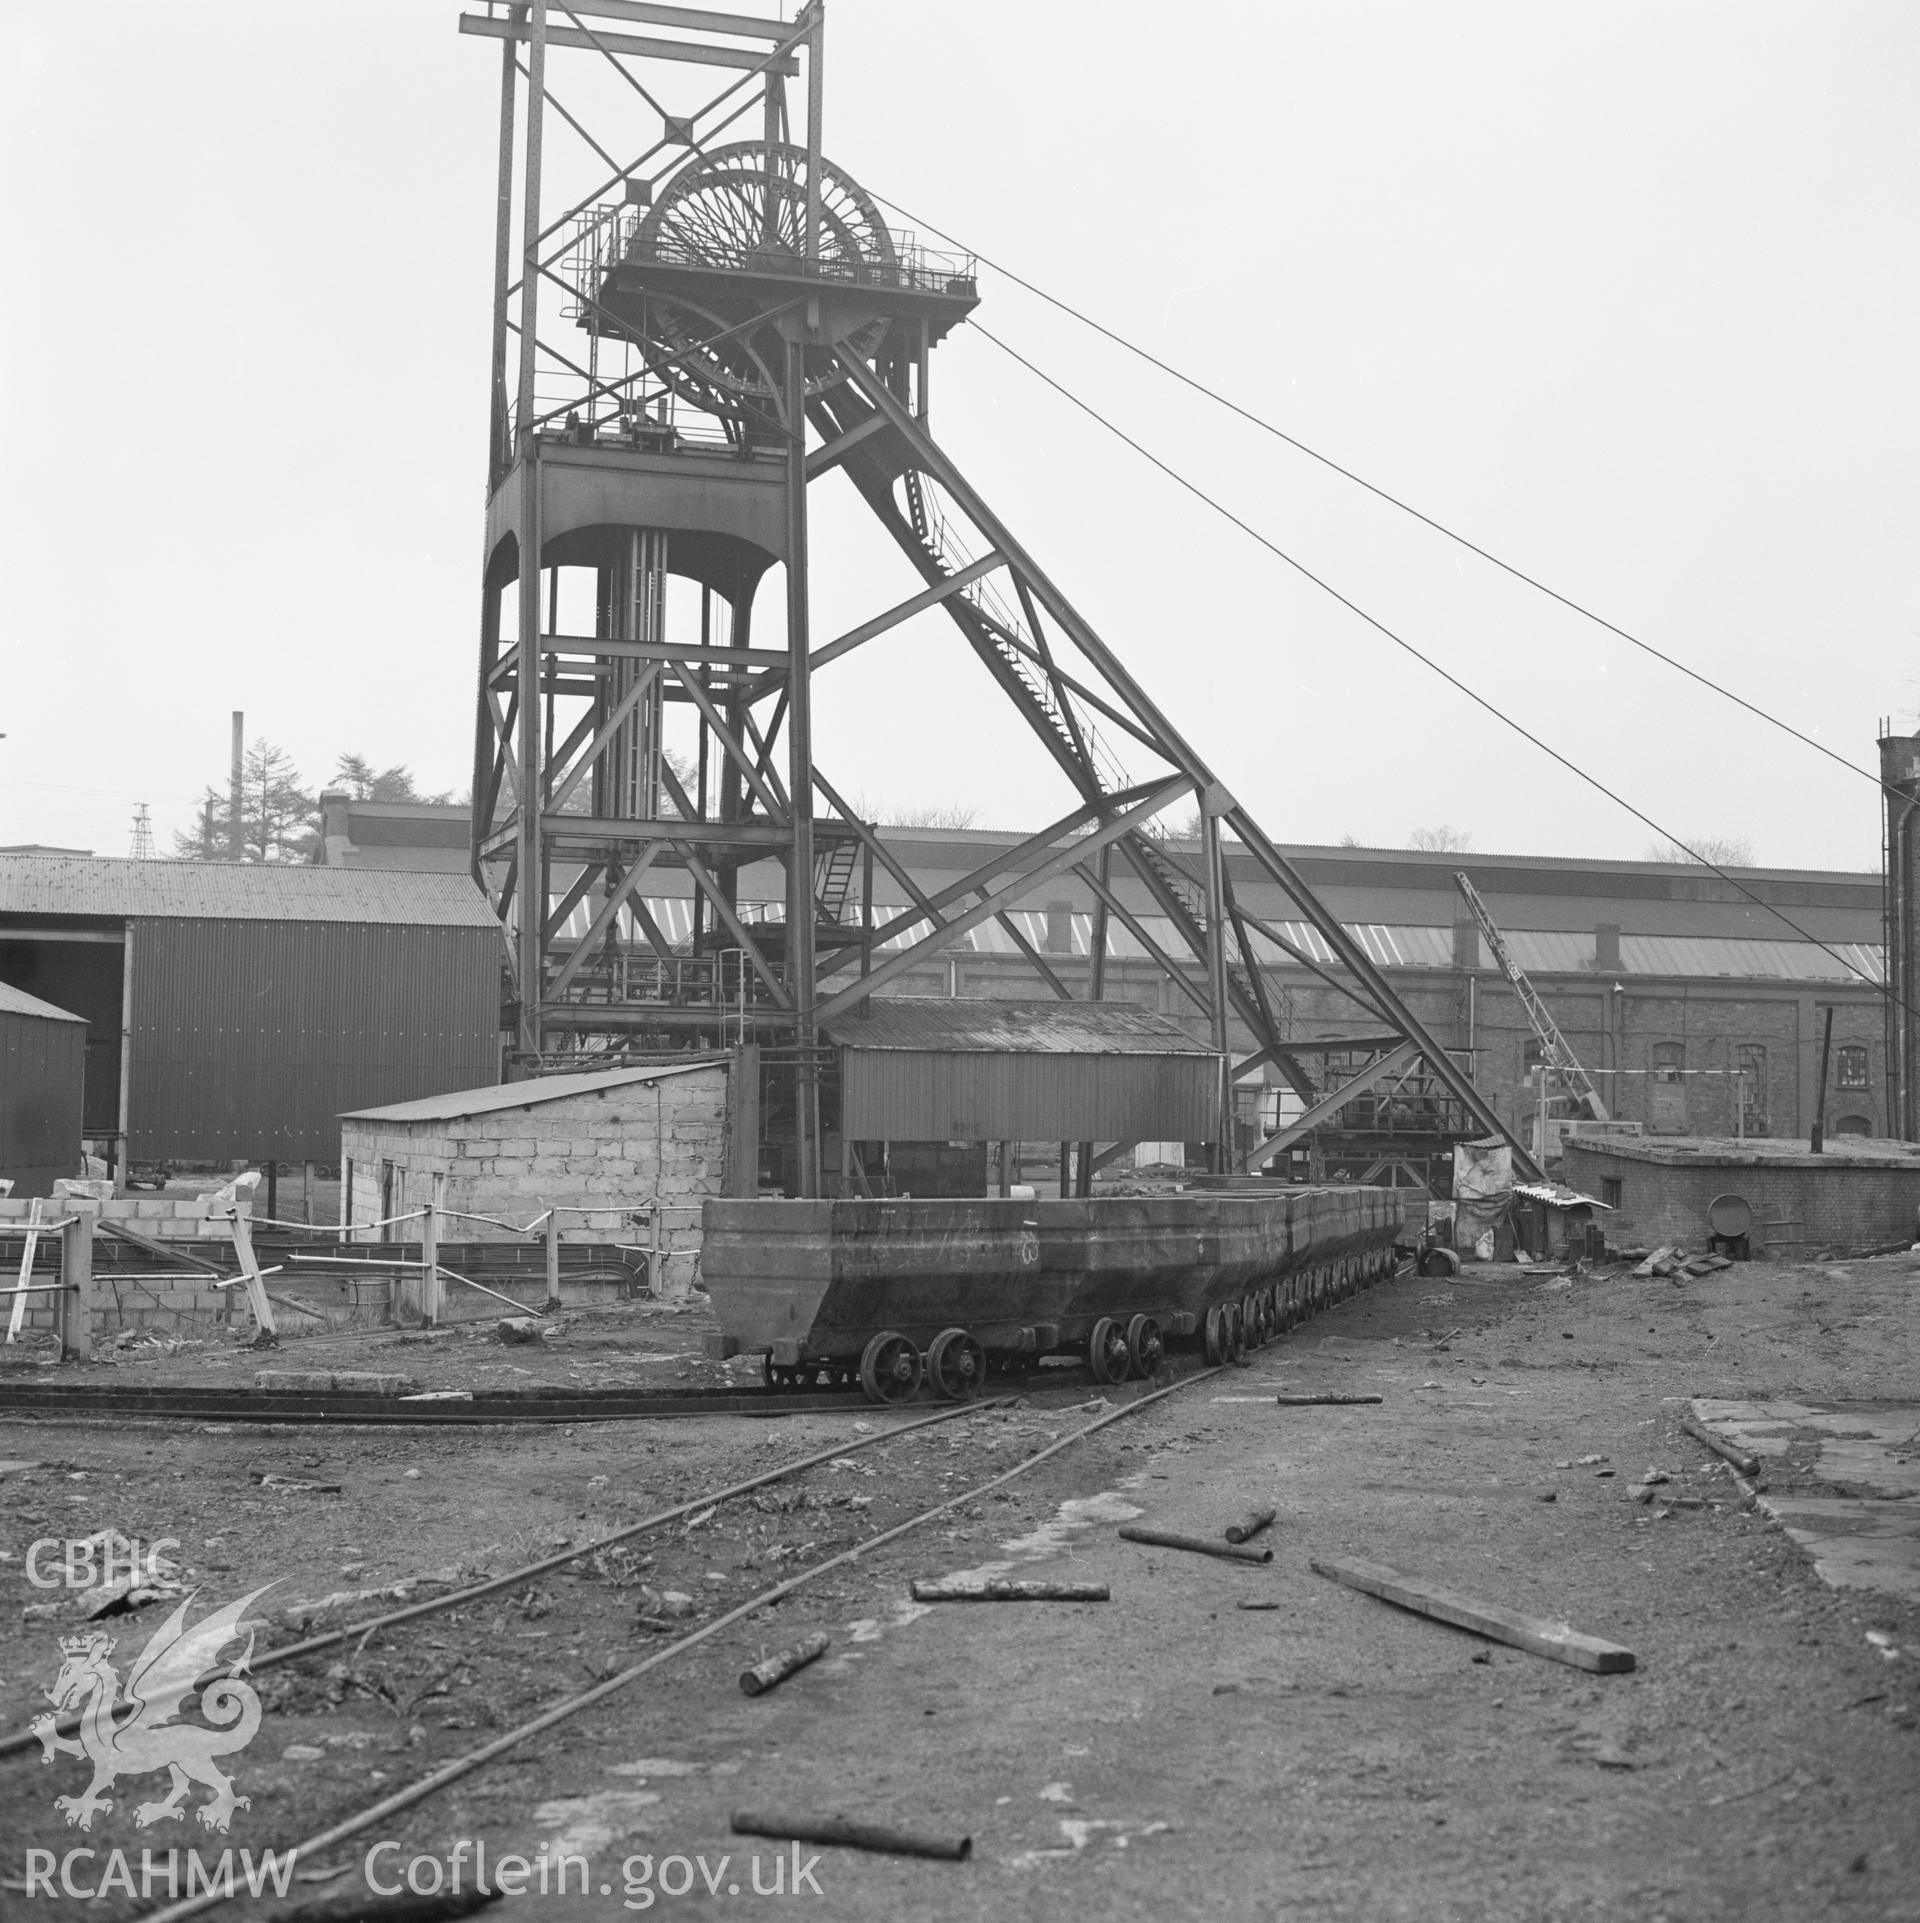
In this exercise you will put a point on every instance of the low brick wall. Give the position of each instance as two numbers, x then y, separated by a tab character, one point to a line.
1847	1199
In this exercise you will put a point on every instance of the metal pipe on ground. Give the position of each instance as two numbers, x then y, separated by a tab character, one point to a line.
842	1832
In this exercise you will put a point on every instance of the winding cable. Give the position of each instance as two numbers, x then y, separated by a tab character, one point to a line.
1393	500
1427	661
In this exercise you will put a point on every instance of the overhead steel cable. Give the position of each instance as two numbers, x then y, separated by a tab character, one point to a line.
1427	661
1393	500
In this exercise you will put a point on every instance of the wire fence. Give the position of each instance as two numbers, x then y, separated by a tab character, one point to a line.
86	1298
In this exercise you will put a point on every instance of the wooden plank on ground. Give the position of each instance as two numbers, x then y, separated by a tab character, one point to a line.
1555	1641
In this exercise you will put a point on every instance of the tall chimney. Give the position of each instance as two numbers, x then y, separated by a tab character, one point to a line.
237	851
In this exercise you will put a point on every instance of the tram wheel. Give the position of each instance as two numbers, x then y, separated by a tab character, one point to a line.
956	1366
1107	1355
889	1368
1146	1346
1236	1328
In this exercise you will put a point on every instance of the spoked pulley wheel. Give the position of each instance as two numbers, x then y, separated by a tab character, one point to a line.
743	208
889	1368
956	1366
1107	1355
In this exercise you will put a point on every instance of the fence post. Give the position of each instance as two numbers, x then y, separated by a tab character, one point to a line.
78	1295
250	1268
430	1254
554	1303
17	1315
233	1205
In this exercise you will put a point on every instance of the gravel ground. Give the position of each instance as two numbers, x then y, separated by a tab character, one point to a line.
1167	1752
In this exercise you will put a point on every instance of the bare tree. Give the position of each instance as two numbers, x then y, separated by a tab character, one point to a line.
364	782
1444	840
939	814
1704	851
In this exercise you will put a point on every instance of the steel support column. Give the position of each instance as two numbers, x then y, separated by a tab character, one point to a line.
800	902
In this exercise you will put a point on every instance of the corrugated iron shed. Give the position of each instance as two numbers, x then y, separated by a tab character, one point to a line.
257	1001
16	1001
1056	1071
236	891
42	1075
253	1037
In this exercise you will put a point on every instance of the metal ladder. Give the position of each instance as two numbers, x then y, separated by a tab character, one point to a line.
833	880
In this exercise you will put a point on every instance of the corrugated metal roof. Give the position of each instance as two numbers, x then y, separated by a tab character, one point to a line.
487	1101
1387	947
1749	960
1548	951
1561	952
14	1001
935	1025
236	891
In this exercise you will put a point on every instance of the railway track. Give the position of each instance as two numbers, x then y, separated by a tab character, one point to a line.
431	1407
530	1572
558	1713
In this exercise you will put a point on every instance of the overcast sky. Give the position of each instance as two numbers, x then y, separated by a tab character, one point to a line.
1624	292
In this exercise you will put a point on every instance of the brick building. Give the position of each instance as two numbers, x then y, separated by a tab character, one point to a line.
1859	1194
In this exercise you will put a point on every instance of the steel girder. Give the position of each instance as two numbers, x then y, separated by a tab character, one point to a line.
576	803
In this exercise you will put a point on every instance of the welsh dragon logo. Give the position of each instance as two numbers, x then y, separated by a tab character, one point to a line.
141	1733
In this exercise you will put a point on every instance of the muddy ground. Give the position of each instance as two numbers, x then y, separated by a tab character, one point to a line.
1168	1752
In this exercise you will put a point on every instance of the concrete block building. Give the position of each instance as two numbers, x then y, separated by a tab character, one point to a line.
629	1155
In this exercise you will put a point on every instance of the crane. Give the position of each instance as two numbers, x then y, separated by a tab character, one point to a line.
1555	1053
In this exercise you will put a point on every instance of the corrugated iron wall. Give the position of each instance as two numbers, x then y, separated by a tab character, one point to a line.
903	1095
251	1037
42	1073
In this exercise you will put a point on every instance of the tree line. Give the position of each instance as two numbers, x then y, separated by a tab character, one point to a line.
278	818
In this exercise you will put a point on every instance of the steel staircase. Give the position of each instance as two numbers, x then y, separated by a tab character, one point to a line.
833	881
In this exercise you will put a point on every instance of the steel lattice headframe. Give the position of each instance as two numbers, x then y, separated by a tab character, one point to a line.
741	324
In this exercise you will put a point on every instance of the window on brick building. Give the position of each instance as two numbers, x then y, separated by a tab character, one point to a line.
1853	1125
1667	1101
1610	1190
1850	1066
